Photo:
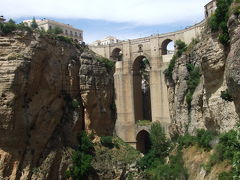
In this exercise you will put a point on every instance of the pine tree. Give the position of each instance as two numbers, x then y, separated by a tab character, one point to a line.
34	24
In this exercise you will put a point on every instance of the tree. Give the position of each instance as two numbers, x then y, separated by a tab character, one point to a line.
11	21
34	24
81	158
159	141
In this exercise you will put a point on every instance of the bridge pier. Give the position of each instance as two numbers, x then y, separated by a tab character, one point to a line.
125	124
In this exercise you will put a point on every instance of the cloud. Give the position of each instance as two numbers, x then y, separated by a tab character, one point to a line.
139	12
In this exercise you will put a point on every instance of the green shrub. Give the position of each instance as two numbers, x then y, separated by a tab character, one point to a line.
160	147
56	30
107	141
236	165
160	144
125	152
204	137
75	104
225	176
169	70
228	145
34	24
181	47
147	161
212	22
9	27
24	27
192	82
226	96
81	158
173	170
65	39
218	21
186	141
143	122
108	64
214	159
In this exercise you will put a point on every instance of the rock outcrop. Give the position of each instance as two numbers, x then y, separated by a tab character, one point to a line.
219	72
49	92
233	61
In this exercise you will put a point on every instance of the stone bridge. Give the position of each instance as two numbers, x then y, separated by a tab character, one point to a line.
129	101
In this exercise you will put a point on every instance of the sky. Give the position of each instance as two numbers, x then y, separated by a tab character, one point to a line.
124	19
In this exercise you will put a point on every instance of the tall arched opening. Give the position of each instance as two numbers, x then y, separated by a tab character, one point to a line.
168	47
143	142
116	54
141	89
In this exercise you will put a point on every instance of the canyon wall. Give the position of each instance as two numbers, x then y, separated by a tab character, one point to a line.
219	67
50	91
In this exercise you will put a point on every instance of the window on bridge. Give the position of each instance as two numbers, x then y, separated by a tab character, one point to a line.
168	47
141	89
143	142
117	54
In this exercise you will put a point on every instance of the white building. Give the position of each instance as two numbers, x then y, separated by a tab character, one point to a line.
106	41
210	8
68	30
2	19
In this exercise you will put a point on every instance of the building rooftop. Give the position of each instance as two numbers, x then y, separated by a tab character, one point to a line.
210	2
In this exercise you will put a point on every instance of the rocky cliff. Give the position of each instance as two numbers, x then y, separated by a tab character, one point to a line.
219	69
50	91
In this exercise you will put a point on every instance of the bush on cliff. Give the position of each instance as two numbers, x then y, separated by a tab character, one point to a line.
218	21
160	147
154	163
108	64
226	96
10	26
181	47
204	137
192	82
81	158
107	141
34	24
56	30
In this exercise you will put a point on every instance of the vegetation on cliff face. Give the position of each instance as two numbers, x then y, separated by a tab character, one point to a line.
10	26
115	159
154	164
108	64
192	81
82	158
227	149
218	21
181	47
165	158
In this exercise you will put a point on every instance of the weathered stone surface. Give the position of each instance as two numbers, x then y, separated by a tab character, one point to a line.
208	109
233	61
40	77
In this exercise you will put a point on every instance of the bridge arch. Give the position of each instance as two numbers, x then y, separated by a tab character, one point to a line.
167	47
143	141
117	54
141	89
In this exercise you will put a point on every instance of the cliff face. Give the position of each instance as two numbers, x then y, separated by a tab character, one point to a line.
219	71
49	91
233	62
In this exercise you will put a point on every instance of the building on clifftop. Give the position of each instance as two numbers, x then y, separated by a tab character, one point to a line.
2	19
106	41
210	8
68	30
